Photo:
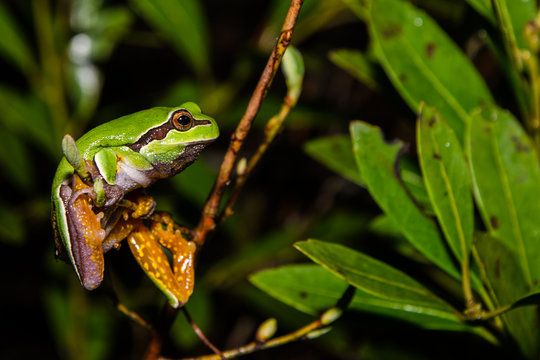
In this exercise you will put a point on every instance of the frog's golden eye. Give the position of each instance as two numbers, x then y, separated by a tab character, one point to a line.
182	120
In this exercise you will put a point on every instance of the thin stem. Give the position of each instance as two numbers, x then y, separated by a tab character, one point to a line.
201	335
273	127
134	316
210	211
253	346
466	281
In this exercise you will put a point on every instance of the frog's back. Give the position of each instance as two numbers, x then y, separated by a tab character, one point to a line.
122	131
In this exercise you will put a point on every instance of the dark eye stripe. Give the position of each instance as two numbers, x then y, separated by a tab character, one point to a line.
161	131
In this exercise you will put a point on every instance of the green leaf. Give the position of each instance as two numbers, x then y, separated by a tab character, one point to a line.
311	289
28	118
336	153
485	8
377	162
424	64
512	16
183	23
13	46
447	180
199	173
373	276
505	277
356	63
506	176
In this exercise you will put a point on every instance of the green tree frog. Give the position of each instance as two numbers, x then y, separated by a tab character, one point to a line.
96	205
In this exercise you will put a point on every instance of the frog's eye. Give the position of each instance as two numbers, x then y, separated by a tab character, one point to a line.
182	120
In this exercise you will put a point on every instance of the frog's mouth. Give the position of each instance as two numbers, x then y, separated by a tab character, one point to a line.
187	157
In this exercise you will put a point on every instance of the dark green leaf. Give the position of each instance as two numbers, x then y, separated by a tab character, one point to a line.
505	175
336	153
377	162
424	64
312	289
199	173
447	180
505	277
28	118
356	63
485	8
183	23
13	46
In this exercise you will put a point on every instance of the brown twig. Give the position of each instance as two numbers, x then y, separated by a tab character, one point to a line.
201	335
316	328
272	129
210	211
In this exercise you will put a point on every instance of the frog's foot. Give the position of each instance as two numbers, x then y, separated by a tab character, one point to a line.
183	251
140	205
176	284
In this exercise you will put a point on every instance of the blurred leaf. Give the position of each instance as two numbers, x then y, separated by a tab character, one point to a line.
505	277
358	7
13	46
184	24
447	180
12	228
485	8
512	16
336	153
505	174
27	116
424	64
293	69
195	182
311	289
377	163
358	64
16	162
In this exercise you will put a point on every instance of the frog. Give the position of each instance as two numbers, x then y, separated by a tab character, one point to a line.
97	200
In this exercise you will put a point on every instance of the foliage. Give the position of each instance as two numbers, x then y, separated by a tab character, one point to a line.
467	147
454	249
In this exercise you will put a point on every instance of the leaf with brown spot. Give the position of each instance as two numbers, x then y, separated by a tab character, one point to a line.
434	66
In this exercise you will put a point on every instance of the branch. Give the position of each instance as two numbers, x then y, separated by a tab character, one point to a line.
313	330
207	224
